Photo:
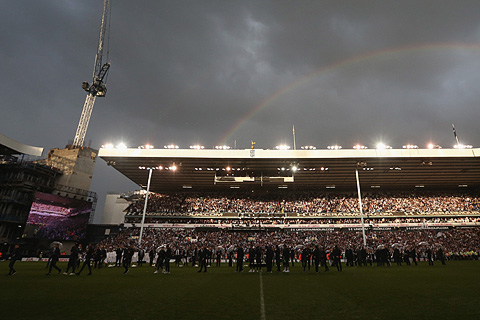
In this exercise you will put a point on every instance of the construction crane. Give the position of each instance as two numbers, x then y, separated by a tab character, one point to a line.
97	88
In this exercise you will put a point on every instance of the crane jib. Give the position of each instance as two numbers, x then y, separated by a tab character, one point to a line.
97	88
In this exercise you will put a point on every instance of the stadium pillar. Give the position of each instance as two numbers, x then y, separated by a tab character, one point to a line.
150	170
361	208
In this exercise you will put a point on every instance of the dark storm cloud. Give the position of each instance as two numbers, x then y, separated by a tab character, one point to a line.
188	71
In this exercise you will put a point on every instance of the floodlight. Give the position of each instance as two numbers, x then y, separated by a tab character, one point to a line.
383	146
463	146
434	146
334	147
121	146
359	147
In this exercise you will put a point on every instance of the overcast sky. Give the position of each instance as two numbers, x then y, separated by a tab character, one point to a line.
208	72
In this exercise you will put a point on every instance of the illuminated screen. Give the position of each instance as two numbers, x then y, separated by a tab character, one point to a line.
59	218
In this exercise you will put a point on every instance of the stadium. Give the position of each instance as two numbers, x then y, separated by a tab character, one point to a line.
302	190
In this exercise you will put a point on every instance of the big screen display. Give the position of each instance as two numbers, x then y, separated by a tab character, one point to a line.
57	218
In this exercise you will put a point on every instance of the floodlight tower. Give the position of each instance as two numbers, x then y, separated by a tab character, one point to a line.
97	88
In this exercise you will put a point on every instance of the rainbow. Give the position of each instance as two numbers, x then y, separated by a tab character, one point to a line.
339	65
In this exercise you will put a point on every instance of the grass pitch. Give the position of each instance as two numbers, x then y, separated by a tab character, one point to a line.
439	292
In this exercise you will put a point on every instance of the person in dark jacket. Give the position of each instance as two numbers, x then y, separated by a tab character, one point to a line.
168	256
127	257
16	255
323	259
286	259
219	257
230	259
141	255
269	259
441	256
89	251
203	253
337	256
258	259
72	261
151	254
316	257
278	260
251	259
305	258
160	260
55	256
350	257
429	256
240	254
118	260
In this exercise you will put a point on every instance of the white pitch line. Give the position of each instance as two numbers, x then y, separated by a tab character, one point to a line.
262	301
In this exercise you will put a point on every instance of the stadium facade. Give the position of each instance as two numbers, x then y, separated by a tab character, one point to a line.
287	173
180	169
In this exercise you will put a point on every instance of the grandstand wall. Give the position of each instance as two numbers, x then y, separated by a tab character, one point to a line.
114	211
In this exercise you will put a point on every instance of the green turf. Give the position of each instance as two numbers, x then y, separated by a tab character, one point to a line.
439	292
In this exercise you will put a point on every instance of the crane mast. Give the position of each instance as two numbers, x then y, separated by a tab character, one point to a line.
97	88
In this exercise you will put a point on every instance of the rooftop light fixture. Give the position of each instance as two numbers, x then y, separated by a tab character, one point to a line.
334	147
359	147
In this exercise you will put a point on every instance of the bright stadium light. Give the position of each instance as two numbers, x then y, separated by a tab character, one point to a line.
294	168
433	146
108	146
146	146
382	146
410	146
197	147
282	147
308	148
222	147
463	146
334	147
121	146
171	146
359	147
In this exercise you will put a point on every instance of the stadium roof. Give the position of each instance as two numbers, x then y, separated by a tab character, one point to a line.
177	169
9	146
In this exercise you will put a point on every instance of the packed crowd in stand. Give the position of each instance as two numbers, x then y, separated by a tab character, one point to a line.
61	228
307	204
283	221
49	209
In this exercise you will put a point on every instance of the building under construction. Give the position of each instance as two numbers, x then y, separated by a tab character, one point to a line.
65	174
